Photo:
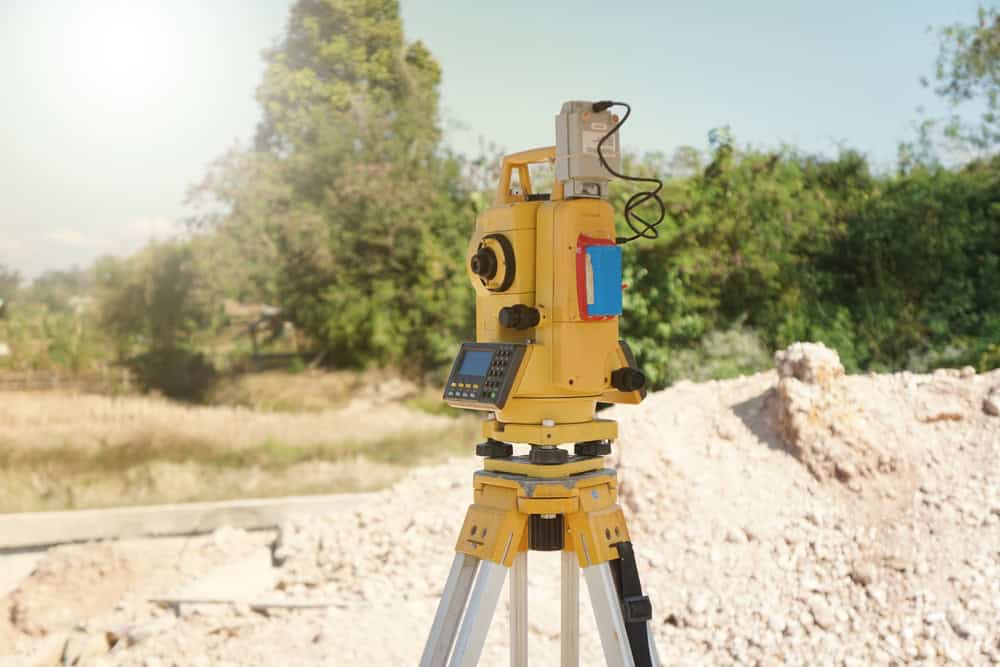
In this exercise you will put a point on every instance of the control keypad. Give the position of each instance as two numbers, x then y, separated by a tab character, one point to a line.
493	387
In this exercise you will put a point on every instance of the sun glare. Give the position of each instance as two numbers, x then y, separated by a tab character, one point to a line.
121	56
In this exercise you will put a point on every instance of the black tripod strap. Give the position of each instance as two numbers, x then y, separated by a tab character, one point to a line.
636	607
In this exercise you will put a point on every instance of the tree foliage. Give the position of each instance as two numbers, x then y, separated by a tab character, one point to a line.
889	270
348	215
10	281
968	73
149	305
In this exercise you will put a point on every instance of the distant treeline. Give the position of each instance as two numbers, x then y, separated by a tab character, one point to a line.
349	215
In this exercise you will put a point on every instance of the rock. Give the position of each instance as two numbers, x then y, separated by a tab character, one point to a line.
958	623
736	536
811	363
863	574
777	623
822	614
927	650
942	409
991	404
82	648
897	564
698	604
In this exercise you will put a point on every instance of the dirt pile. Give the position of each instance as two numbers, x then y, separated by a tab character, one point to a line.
797	517
86	580
824	426
78	595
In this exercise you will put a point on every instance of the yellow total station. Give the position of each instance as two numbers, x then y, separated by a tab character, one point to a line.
548	279
547	270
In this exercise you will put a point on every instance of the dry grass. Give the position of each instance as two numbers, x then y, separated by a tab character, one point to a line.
310	391
60	451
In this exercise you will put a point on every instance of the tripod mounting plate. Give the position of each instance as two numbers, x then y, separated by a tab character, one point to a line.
521	465
557	434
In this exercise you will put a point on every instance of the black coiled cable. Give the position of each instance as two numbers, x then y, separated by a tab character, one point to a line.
641	228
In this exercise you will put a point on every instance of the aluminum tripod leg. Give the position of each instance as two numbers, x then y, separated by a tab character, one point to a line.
608	613
569	649
482	604
652	646
449	611
519	611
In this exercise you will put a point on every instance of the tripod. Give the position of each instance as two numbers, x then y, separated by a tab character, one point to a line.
520	505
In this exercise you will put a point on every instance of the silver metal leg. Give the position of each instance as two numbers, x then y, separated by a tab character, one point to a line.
519	611
610	623
449	611
479	614
652	645
569	649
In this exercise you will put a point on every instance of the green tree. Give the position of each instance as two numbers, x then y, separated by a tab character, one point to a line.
10	281
348	213
968	74
148	304
57	289
737	250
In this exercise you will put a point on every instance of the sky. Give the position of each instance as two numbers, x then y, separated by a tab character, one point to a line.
111	110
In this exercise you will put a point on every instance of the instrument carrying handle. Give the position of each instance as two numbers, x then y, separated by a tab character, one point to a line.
520	161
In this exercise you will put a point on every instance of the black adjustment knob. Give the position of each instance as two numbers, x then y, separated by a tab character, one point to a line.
519	317
494	449
546	533
547	455
592	448
484	263
628	379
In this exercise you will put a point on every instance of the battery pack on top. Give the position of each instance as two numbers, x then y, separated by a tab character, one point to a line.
579	129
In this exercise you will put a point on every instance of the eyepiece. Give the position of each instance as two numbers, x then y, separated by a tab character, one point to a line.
484	263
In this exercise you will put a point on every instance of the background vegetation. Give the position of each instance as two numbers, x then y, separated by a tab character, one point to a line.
350	216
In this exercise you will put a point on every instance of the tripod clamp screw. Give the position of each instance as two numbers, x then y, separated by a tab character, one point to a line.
494	449
592	448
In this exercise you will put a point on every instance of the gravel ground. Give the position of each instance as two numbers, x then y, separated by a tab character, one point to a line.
801	518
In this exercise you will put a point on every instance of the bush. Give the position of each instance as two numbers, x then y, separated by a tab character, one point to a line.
720	355
177	373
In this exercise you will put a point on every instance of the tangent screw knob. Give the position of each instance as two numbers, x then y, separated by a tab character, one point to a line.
628	379
519	316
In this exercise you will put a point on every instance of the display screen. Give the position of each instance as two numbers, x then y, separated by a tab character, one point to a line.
475	362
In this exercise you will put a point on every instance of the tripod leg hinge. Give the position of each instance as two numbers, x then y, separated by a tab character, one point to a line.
637	609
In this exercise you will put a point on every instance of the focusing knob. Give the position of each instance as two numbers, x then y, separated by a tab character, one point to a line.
628	379
519	317
484	263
